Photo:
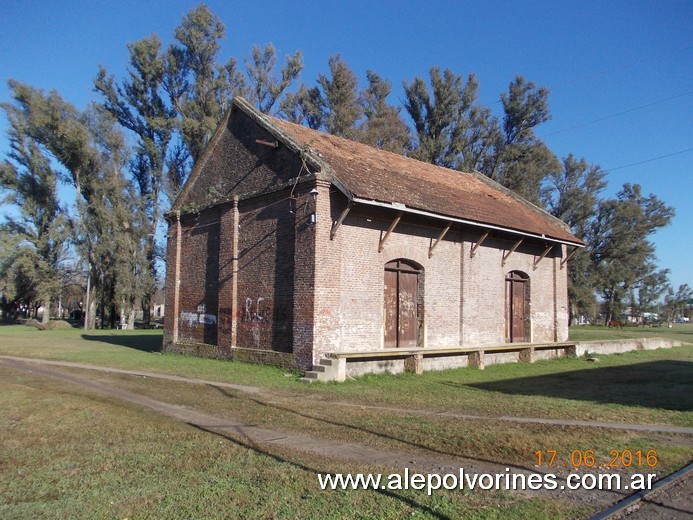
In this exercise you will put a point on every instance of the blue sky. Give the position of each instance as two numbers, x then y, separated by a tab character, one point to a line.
620	73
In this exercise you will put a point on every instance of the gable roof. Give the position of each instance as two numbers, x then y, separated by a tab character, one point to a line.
368	175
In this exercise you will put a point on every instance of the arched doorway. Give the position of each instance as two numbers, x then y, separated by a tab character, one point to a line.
517	324
403	304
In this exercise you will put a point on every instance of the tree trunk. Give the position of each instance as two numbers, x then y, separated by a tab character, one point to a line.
90	318
46	312
131	319
146	309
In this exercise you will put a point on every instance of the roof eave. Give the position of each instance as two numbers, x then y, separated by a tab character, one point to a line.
446	218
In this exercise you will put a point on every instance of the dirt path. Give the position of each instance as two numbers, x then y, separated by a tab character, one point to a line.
359	453
658	428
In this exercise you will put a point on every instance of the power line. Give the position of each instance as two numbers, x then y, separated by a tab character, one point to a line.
617	114
648	160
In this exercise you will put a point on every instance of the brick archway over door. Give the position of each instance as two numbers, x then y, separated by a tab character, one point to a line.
517	322
403	304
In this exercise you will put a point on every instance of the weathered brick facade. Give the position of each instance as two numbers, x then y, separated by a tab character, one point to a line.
271	259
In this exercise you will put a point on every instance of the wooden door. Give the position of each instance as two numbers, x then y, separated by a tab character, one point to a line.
517	308
390	310
407	323
400	300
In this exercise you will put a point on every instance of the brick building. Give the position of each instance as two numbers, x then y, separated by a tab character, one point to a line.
288	246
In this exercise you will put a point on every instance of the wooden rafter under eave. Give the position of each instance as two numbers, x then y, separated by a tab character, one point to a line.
512	250
389	231
542	256
338	222
570	255
440	237
478	244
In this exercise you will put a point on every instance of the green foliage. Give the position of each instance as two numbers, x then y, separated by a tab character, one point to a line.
646	295
621	253
265	87
338	99
34	240
572	194
139	107
525	107
200	90
383	127
522	161
441	116
675	302
336	105
110	226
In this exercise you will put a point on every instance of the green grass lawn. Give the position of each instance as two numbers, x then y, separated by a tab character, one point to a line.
678	332
639	387
68	452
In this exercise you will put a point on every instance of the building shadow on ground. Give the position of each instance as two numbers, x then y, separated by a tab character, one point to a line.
143	342
658	384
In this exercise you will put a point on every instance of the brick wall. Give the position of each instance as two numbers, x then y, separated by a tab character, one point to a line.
240	165
464	296
265	274
171	284
484	292
254	307
227	307
275	278
199	281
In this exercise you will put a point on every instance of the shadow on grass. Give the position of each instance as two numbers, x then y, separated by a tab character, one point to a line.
143	342
346	426
250	445
658	384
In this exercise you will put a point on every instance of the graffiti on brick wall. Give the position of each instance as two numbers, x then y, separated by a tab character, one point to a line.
249	314
188	318
201	317
263	310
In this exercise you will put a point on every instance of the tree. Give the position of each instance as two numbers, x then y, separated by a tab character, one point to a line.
480	141
94	157
337	99
621	253
265	87
171	102
200	90
40	229
440	116
139	106
522	161
675	302
572	194
648	292
383	127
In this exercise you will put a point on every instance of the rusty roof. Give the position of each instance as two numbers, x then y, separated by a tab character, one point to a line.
377	175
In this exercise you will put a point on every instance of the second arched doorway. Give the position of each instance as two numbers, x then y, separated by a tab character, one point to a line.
517	323
403	304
